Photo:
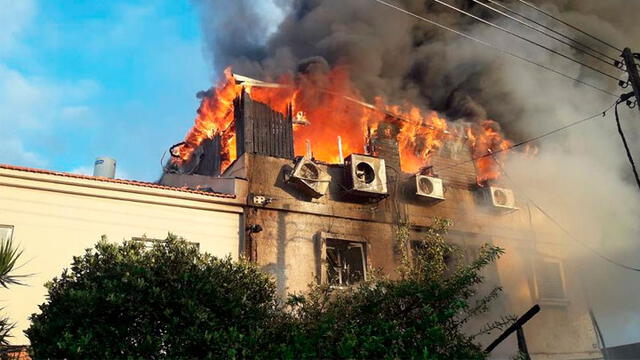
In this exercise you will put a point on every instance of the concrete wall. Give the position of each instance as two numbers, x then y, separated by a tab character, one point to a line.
290	244
55	218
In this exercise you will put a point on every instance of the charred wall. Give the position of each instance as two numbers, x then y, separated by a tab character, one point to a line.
374	220
295	228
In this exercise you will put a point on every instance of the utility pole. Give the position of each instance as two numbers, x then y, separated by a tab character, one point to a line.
630	63
629	58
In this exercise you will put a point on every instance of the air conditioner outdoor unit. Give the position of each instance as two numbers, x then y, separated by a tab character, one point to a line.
501	198
429	187
366	175
309	178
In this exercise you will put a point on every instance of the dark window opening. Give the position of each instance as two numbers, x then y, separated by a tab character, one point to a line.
346	264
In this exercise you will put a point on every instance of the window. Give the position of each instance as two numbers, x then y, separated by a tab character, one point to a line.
6	232
549	281
149	242
421	247
346	264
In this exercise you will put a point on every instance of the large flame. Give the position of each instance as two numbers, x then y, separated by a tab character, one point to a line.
485	139
330	106
215	117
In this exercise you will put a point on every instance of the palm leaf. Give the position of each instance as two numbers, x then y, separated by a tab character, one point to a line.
6	326
9	255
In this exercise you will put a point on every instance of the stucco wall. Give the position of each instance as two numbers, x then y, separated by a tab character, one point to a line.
54	220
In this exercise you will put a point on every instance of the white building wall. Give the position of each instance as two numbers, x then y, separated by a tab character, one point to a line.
55	218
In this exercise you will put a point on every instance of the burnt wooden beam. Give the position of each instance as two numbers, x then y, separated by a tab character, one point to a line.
262	130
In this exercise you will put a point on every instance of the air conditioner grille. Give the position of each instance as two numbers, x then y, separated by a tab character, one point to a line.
365	173
426	186
500	197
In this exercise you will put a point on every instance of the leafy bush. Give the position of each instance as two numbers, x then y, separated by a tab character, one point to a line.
171	301
419	315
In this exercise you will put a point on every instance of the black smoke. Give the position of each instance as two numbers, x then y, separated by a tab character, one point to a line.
394	55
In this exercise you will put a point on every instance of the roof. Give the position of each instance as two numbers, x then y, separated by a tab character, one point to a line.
115	181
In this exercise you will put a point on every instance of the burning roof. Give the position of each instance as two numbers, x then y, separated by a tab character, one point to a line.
325	104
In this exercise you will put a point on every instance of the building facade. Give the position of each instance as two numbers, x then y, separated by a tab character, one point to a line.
54	216
309	222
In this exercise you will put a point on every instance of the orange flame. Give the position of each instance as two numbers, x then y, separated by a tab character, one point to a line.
215	117
486	138
331	106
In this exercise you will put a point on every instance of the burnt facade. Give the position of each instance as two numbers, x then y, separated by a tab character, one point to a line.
338	235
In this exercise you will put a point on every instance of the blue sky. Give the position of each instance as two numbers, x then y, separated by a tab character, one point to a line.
80	79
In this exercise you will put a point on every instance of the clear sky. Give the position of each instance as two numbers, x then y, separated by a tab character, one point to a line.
80	79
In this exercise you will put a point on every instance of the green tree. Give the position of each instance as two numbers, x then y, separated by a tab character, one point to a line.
170	301
419	315
123	301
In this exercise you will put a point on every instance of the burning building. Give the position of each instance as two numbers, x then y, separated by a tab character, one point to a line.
327	178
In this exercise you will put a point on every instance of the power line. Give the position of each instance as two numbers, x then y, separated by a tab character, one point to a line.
559	226
492	153
626	145
546	34
525	39
567	24
506	52
550	29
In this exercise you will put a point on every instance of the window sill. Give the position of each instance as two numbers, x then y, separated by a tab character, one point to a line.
554	302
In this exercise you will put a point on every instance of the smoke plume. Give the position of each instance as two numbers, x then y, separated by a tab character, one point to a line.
581	176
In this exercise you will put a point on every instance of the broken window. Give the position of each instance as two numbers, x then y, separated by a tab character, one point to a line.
550	280
346	264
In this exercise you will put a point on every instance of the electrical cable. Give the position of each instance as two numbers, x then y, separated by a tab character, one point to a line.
559	226
521	143
567	24
626	145
499	49
546	34
550	29
525	39
492	153
172	148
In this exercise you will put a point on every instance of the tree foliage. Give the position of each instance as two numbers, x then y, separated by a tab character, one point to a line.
169	302
173	302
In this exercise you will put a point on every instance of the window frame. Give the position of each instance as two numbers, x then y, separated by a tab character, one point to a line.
13	230
564	301
149	242
357	240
